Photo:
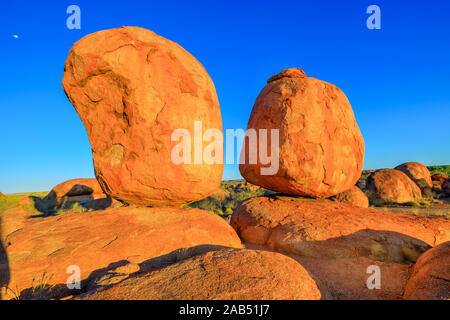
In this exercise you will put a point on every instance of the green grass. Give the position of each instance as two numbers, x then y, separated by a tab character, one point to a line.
440	169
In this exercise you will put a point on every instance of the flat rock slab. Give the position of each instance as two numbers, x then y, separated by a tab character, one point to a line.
94	240
228	274
325	229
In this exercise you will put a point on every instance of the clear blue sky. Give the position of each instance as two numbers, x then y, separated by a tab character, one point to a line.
397	78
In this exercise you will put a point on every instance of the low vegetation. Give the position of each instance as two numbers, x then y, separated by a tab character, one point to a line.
12	200
439	169
233	193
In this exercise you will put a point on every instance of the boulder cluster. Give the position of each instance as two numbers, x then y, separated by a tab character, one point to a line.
132	89
321	154
406	183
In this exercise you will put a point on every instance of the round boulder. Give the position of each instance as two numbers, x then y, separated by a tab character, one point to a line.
354	197
140	96
438	180
387	186
321	149
227	274
430	279
416	171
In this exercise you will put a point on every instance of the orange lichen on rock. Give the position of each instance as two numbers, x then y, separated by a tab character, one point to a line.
387	186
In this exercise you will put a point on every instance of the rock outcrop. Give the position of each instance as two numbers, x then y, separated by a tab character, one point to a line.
438	180
85	191
94	240
354	197
416	171
430	279
132	89
227	274
321	149
388	186
446	187
326	229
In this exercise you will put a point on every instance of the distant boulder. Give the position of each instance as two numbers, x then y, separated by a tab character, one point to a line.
416	171
87	191
438	180
387	186
354	197
78	187
1	194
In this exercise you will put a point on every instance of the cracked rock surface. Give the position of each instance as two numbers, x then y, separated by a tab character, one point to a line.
226	274
98	240
326	229
132	89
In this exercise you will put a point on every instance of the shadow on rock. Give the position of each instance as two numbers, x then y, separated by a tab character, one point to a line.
4	265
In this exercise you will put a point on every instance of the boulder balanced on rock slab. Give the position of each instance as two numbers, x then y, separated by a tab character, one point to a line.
95	240
430	279
325	229
321	149
132	89
227	274
416	171
388	186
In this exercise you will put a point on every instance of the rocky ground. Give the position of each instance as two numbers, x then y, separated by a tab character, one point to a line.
151	226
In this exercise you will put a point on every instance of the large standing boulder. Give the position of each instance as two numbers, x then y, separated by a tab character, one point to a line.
388	186
227	274
430	279
321	149
321	228
132	89
1	194
416	171
354	197
94	240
